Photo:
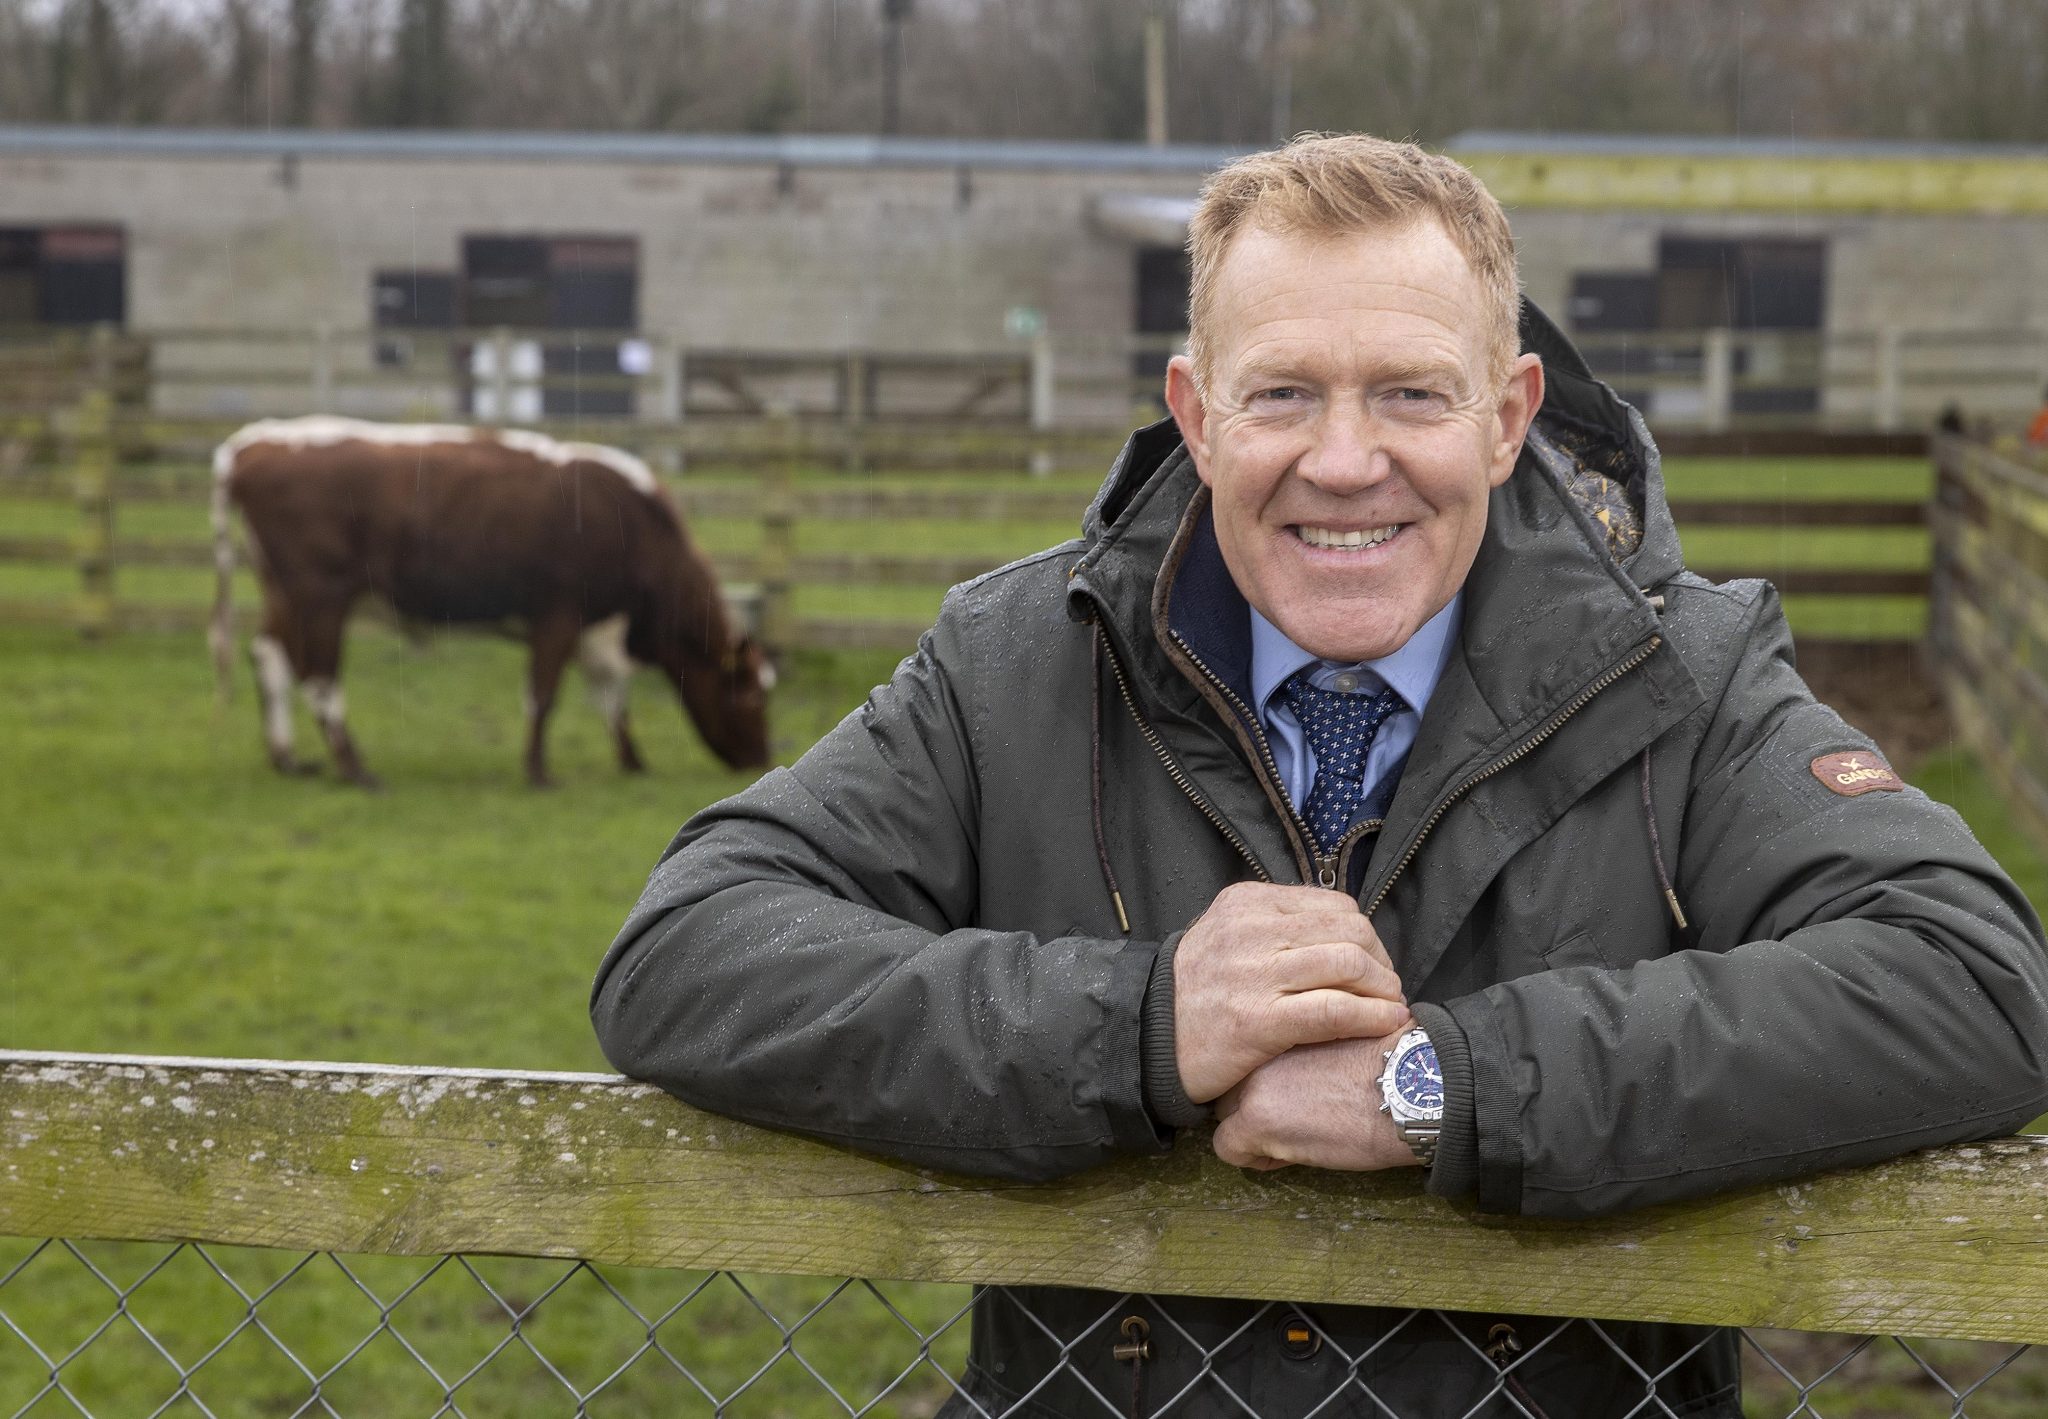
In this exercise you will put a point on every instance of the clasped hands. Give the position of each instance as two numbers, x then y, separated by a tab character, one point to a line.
1285	1005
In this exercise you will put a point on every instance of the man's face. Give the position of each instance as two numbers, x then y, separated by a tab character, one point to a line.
1350	433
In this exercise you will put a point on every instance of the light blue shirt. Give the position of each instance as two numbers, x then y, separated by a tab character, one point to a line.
1412	672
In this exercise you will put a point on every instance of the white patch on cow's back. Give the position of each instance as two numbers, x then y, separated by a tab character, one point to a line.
321	430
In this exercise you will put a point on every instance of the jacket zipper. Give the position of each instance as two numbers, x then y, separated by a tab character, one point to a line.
1550	728
1326	864
1173	769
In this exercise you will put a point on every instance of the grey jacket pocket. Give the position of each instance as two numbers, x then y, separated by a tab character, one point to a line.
1577	949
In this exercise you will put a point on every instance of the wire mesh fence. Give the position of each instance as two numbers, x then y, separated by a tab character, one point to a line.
117	1328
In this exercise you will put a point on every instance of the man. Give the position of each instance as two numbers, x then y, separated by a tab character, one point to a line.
1373	698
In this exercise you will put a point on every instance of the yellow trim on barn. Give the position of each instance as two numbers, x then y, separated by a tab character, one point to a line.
1929	184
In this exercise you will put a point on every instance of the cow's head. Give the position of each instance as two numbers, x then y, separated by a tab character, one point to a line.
727	697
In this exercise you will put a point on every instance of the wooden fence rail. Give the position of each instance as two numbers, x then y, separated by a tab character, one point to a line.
95	451
409	1162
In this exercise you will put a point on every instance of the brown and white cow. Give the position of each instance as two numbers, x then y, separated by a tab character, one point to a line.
574	543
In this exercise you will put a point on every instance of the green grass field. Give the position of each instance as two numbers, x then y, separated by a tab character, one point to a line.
162	892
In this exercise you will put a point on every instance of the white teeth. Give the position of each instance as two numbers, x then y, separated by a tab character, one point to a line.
1325	537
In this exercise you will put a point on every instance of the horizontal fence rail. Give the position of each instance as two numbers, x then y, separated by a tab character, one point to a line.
101	459
1883	379
338	1170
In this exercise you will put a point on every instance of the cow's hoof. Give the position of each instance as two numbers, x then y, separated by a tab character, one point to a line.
367	781
540	781
296	768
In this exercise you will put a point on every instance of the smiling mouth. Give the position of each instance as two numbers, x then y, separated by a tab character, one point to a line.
1331	537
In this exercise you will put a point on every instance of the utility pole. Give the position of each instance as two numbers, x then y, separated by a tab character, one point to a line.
1155	74
894	13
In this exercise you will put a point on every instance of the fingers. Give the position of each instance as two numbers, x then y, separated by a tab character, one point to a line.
1314	929
1338	965
1236	1147
1292	900
1317	1016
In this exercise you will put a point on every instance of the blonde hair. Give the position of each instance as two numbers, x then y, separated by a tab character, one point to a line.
1339	184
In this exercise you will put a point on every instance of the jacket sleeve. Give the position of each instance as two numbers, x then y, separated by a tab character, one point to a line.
805	956
1865	981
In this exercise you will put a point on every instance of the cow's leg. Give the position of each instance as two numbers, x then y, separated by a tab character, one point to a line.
552	641
320	677
273	653
602	653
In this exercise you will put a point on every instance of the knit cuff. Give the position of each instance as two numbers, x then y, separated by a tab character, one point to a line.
1455	1173
1164	1094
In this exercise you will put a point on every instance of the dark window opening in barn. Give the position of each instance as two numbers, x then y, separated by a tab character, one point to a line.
505	281
1772	289
20	256
589	285
69	275
1752	284
409	300
1162	309
594	289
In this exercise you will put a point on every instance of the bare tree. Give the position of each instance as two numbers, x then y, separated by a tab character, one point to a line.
248	66
1239	71
303	83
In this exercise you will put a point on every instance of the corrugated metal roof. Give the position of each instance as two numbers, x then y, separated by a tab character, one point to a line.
867	150
795	149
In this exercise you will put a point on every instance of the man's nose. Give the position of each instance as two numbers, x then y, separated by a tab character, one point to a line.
1347	451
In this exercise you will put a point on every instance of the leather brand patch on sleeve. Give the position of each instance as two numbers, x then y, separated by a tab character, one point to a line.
1853	773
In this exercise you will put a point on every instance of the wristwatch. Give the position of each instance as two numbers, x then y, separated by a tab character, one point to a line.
1412	1092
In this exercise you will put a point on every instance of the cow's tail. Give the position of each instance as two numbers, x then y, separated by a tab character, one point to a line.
220	634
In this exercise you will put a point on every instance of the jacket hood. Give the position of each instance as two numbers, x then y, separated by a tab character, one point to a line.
1586	439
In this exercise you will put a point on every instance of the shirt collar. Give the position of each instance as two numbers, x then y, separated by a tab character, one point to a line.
1412	671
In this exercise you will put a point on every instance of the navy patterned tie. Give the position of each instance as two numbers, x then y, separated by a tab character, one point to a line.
1340	726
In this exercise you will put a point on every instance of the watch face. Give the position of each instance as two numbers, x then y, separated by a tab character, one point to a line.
1419	1080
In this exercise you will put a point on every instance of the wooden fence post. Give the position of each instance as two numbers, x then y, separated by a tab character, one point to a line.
1717	380
669	359
323	368
776	565
857	380
1889	402
1043	393
92	463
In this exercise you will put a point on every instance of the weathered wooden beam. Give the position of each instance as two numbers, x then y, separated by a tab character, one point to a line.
366	1158
1824	581
1788	443
849	633
1795	512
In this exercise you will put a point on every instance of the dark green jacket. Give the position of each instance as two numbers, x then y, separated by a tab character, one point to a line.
905	942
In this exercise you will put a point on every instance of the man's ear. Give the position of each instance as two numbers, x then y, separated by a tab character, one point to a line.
1518	406
1185	400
